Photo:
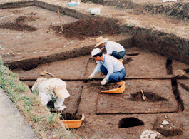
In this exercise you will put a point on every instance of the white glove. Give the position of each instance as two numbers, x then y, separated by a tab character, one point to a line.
91	76
103	82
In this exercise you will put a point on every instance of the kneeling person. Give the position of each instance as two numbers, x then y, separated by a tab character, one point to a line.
112	48
51	88
109	66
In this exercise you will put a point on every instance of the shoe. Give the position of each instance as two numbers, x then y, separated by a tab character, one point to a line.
61	108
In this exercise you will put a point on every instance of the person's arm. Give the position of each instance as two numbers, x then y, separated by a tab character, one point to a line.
97	69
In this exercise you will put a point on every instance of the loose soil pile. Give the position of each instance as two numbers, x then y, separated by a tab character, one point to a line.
127	60
171	128
150	97
70	116
90	27
179	10
123	4
108	86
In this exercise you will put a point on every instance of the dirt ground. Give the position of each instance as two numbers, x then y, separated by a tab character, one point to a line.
32	32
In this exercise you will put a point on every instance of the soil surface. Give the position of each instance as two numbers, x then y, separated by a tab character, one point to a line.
26	33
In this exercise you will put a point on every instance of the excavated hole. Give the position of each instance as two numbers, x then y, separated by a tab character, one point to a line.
129	122
150	97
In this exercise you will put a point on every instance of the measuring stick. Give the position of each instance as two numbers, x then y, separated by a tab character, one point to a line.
60	18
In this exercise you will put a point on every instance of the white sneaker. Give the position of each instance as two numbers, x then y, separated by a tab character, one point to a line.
61	108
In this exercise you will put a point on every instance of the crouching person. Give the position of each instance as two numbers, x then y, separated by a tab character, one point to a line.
49	89
109	66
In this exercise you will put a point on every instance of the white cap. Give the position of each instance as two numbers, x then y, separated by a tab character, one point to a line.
95	51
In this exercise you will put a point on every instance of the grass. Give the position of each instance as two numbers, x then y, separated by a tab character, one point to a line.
45	124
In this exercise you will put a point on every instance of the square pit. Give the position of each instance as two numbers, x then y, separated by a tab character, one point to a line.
145	65
129	102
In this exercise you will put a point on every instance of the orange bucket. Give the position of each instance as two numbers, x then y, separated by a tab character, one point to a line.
116	90
71	123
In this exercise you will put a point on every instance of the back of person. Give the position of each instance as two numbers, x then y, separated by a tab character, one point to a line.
110	60
113	46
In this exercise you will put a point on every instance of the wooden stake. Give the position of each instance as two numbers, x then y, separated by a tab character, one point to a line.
60	18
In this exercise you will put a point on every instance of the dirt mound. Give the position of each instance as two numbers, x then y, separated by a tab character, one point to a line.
123	4
150	97
100	87
90	27
179	10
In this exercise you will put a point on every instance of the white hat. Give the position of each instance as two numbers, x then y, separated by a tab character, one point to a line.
100	40
95	51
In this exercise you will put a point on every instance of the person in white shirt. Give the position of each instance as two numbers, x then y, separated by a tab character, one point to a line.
112	48
51	88
109	66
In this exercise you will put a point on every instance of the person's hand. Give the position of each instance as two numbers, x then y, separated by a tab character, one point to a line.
91	76
103	82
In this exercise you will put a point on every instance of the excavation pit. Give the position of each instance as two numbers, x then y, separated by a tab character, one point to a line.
129	122
161	100
47	50
39	44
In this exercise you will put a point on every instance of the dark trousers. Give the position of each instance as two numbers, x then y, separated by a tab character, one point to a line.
116	76
118	55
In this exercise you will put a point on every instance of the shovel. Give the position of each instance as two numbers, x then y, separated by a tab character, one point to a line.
143	97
